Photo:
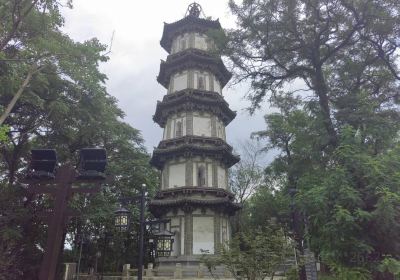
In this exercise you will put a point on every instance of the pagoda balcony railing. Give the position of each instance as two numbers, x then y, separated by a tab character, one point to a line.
191	190
193	100
193	59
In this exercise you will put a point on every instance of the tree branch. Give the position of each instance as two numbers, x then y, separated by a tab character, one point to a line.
16	23
34	69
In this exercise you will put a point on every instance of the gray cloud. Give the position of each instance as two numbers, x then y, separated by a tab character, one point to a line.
136	53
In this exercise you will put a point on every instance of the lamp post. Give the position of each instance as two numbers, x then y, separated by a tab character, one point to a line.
98	255
44	177
122	221
141	230
106	235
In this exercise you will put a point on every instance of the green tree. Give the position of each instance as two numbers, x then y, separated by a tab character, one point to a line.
338	133
52	94
336	49
245	178
247	175
253	254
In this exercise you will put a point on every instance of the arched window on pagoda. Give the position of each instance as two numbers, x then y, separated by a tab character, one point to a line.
209	44
182	44
178	130
200	82
201	176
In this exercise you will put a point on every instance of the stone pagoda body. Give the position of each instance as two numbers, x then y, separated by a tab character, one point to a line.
193	155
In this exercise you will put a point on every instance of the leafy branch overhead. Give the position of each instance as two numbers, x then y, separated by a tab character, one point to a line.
330	70
52	94
332	48
32	46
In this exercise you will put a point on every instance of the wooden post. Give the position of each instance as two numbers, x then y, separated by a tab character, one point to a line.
65	177
57	224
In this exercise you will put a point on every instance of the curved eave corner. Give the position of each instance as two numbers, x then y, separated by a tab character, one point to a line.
192	58
159	206
193	98
161	155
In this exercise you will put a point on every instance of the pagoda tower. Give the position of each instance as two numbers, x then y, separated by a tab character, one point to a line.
193	155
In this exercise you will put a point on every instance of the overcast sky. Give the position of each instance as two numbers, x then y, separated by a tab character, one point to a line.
136	53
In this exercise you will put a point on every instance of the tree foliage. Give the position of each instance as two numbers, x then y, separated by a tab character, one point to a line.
53	95
247	175
330	69
253	254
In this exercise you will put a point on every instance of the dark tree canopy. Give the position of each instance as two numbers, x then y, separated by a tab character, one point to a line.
335	48
330	68
52	94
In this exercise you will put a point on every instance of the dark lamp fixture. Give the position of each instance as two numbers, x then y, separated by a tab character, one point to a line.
164	241
43	163
92	163
121	219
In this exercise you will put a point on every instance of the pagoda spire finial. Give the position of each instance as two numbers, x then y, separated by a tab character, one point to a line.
194	10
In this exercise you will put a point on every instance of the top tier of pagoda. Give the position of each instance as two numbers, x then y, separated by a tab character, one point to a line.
192	22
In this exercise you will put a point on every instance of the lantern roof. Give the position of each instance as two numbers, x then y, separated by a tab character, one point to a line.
121	210
43	163
163	232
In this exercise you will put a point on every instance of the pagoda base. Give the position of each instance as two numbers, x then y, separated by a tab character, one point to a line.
191	260
187	266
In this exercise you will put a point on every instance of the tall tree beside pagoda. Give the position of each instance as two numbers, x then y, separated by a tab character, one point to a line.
338	135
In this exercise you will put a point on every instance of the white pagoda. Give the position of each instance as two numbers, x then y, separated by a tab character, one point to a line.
193	155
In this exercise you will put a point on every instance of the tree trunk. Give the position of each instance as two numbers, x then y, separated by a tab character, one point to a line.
323	99
14	100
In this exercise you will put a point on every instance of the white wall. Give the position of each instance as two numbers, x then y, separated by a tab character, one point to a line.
217	85
182	235
221	177
210	175
220	129
224	230
171	126
200	41
176	175
203	234
180	81
175	228
182	42
202	126
205	77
